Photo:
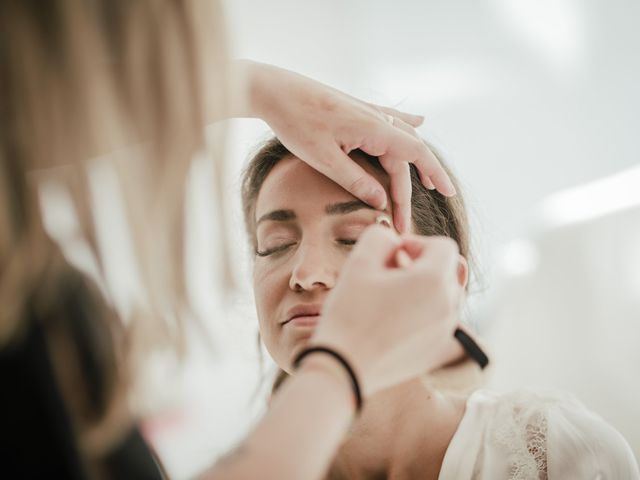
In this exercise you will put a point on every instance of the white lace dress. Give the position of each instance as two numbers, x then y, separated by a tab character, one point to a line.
525	435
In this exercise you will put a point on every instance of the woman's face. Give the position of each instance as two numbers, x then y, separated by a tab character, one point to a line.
306	225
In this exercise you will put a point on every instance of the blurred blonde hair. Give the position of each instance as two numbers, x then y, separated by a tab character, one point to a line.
80	79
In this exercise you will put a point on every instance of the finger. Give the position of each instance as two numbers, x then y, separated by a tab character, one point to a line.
398	123
402	258
430	169
400	180
352	177
414	245
439	173
405	127
376	246
426	181
411	119
435	259
441	181
437	252
428	184
400	177
403	145
393	144
385	138
438	263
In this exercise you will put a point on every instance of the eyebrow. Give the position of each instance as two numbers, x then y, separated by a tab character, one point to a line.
341	208
277	216
346	207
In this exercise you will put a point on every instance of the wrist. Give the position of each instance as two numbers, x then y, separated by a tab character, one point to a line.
332	371
340	361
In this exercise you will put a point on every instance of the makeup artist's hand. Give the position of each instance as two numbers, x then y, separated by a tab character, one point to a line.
393	324
322	125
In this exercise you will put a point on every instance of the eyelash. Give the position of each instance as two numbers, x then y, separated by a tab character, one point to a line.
271	251
347	242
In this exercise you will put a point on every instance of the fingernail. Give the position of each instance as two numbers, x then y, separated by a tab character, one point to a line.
451	190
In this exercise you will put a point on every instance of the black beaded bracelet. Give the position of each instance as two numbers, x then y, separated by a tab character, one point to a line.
354	380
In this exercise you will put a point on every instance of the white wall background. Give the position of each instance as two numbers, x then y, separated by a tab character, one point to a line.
525	97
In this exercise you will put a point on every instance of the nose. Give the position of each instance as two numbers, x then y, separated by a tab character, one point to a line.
314	269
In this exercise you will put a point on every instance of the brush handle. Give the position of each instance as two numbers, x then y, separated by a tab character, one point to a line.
472	348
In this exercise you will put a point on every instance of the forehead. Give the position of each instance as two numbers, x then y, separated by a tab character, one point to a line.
293	184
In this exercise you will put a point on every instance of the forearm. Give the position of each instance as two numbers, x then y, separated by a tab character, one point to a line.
300	433
259	90
247	81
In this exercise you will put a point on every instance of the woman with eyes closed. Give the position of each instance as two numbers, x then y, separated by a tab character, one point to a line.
302	227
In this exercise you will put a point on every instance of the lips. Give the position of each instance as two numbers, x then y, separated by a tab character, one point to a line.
303	315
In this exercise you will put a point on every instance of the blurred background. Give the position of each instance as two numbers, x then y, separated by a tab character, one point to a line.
535	104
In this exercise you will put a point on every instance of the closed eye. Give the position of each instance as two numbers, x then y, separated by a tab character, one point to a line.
347	241
274	250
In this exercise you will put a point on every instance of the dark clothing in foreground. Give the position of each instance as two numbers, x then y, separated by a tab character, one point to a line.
37	438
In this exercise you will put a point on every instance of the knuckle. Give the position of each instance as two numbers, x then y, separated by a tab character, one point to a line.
377	141
360	185
418	149
325	159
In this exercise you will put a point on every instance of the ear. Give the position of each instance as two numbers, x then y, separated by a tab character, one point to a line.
463	271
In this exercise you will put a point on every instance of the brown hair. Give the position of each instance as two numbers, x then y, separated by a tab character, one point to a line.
432	213
80	79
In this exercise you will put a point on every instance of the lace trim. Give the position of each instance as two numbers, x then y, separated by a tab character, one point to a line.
522	432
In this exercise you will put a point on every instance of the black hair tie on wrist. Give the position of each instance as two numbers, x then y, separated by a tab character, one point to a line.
354	380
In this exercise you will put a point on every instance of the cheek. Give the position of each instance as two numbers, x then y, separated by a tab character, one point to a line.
264	291
269	287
